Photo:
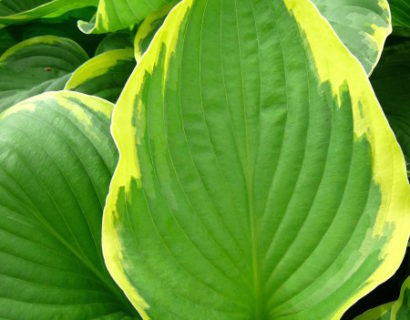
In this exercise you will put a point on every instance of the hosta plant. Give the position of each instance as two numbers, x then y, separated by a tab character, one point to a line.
204	159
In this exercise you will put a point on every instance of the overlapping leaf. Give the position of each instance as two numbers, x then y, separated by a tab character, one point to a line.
363	25
391	82
258	177
37	65
148	29
113	15
397	310
401	12
104	75
12	11
56	161
116	40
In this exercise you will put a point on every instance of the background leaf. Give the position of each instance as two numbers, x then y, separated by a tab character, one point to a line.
401	12
104	75
362	25
116	40
56	161
12	11
397	310
37	65
113	15
391	82
258	177
148	29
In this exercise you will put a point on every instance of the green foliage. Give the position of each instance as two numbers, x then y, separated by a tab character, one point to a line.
56	162
257	176
37	65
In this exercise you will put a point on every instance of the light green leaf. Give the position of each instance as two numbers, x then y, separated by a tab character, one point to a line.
113	15
116	40
12	11
56	161
362	25
401	12
391	82
258	177
36	65
104	75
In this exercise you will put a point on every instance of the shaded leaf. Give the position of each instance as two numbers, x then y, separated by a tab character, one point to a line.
36	65
400	12
397	310
104	75
116	40
12	11
391	82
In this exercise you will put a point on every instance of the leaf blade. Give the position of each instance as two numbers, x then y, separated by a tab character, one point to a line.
227	184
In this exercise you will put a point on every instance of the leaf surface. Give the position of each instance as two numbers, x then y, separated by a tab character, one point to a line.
56	161
258	177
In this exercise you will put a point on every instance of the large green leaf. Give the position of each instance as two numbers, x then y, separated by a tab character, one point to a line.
104	75
258	177
401	12
36	65
391	82
12	11
363	25
56	161
113	15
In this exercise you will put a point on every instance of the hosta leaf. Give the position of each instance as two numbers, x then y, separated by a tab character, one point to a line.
113	15
148	29
12	11
66	29
258	177
397	310
391	82
34	65
104	75
401	308
116	40
363	25
382	312
56	161
400	12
